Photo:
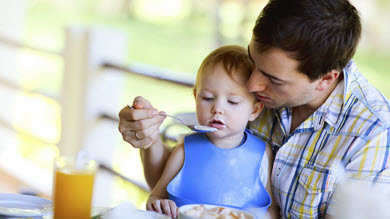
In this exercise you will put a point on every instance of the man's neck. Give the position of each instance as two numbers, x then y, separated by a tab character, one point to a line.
301	113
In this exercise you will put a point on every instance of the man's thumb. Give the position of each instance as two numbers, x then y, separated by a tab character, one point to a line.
141	103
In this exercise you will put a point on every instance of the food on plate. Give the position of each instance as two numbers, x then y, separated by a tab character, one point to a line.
201	211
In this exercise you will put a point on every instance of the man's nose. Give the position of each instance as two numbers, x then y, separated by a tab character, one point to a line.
257	82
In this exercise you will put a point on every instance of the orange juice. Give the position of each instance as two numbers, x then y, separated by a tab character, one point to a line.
72	191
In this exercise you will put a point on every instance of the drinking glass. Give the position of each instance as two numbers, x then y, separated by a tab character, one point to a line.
73	187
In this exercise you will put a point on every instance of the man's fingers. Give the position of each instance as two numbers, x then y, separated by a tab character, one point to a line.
129	114
143	133
144	143
147	123
130	136
146	113
138	134
138	141
142	128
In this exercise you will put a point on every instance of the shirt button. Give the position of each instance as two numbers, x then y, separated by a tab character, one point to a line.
278	171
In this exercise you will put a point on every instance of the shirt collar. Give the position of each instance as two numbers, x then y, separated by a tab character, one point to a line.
333	108
330	111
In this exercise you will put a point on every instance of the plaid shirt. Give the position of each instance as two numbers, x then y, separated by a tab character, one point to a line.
352	129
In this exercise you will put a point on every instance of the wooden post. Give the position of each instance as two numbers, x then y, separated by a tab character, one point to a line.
85	50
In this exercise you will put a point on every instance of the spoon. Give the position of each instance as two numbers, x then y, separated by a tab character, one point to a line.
197	128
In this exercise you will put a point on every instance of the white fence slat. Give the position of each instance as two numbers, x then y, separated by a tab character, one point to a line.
85	51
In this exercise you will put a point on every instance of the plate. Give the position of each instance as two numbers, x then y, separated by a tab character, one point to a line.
17	205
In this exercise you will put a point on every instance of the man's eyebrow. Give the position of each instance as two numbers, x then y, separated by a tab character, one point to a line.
270	76
263	72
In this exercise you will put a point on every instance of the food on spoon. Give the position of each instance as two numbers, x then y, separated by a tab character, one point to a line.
201	211
205	128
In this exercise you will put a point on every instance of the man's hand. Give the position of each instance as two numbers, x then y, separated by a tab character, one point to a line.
140	126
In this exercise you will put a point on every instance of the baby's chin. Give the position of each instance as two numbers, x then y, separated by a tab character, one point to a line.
220	133
215	134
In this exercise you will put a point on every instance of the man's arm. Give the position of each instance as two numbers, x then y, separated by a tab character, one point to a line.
140	127
153	160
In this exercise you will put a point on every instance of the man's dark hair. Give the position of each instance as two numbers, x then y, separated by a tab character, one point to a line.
321	34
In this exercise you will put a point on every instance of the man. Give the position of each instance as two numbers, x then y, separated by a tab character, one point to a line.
322	114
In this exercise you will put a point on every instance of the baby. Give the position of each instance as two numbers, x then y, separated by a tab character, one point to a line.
230	166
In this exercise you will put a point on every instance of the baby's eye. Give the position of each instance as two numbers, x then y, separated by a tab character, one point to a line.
207	98
232	102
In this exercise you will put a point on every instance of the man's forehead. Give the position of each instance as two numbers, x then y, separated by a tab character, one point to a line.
279	64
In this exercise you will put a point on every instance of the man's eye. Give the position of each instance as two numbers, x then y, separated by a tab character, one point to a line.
275	83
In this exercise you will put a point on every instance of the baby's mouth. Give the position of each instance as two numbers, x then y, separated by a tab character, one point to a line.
217	123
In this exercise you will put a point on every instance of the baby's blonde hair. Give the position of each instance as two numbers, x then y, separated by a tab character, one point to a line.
233	58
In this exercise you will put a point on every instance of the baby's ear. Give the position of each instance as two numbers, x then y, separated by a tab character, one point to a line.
257	108
194	91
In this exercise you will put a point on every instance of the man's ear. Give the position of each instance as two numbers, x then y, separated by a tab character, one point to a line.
257	108
326	80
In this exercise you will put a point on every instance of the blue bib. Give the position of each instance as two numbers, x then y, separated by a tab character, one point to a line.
228	177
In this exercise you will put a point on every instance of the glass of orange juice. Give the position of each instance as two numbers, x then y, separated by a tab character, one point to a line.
73	187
